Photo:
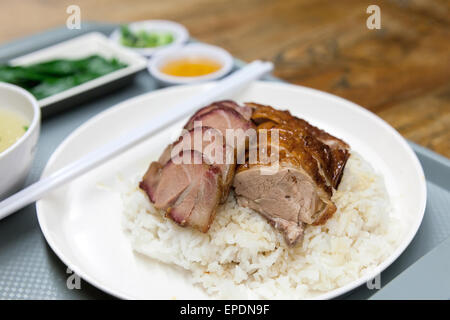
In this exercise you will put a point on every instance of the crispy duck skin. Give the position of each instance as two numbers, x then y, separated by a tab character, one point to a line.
331	153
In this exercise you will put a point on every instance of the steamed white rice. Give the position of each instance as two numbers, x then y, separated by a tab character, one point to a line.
243	254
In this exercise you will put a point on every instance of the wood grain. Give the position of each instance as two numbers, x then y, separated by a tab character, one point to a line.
401	72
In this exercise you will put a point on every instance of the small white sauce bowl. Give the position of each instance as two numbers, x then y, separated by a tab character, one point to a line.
194	50
15	162
179	32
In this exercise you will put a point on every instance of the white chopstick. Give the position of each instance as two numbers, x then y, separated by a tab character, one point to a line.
223	88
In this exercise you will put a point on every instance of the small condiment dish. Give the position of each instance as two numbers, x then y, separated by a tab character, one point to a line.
15	161
194	50
179	32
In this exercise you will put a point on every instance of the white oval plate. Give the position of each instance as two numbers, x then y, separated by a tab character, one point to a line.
82	220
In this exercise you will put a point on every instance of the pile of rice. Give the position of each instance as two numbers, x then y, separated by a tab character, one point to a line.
243	256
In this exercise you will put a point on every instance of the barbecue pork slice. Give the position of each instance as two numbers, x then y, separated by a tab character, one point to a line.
189	193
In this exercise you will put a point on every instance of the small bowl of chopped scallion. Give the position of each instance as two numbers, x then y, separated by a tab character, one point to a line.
147	37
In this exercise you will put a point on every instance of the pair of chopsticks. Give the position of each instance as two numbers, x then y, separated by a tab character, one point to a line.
222	89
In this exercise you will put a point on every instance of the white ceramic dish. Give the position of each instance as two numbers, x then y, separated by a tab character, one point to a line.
15	162
179	32
189	51
79	47
82	220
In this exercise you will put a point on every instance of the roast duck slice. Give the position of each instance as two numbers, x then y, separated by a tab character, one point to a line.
297	190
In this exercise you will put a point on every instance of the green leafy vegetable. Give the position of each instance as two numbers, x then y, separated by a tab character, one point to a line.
144	39
48	78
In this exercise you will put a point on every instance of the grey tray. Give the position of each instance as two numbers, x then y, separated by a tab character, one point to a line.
30	270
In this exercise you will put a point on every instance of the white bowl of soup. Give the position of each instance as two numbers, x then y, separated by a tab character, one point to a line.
20	119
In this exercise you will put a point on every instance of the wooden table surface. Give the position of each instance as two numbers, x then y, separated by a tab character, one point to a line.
401	72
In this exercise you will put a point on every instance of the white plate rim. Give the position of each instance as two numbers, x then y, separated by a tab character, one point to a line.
348	104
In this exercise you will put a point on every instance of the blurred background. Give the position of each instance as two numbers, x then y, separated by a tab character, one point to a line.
401	71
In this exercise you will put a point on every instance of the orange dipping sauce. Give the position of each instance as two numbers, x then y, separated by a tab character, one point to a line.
191	67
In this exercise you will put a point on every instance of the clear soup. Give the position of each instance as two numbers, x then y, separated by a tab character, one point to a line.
12	127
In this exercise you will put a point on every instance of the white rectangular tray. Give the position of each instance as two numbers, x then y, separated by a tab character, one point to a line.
79	47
